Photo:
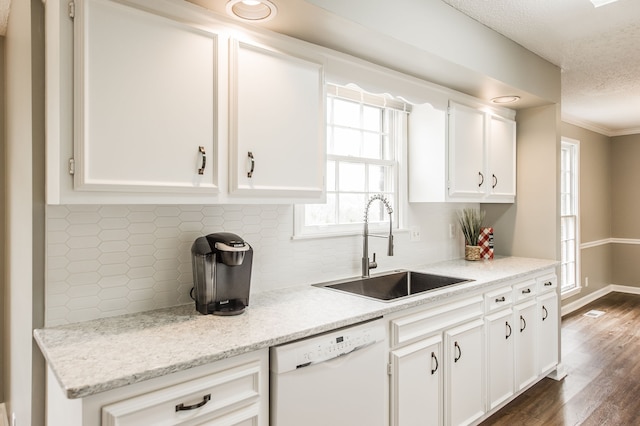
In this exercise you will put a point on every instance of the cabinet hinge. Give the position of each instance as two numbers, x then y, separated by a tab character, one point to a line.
72	166
389	369
72	9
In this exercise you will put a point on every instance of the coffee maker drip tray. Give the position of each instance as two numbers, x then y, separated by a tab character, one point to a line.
227	307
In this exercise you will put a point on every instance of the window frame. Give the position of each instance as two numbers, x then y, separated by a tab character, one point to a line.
573	146
400	134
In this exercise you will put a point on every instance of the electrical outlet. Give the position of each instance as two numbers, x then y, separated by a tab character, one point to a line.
415	233
452	230
586	281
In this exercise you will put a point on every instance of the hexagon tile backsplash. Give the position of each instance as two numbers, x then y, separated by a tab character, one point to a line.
105	260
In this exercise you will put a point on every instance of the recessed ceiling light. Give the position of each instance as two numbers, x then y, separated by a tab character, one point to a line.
505	99
252	10
598	3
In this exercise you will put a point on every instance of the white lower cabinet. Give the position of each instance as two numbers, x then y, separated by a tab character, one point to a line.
230	392
459	362
548	331
417	383
464	369
500	357
525	331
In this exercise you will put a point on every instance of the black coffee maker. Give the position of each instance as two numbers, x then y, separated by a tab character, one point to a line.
221	273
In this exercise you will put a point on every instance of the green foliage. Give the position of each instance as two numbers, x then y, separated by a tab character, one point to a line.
470	221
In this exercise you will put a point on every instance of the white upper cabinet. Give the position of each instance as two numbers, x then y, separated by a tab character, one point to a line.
501	158
460	153
277	131
467	174
145	101
482	155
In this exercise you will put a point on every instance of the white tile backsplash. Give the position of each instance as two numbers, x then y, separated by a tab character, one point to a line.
110	260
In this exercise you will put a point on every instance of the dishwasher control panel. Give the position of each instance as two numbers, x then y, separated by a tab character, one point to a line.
327	346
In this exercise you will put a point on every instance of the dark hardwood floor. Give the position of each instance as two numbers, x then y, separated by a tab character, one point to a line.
602	358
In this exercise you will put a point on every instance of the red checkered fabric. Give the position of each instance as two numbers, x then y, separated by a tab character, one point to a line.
485	241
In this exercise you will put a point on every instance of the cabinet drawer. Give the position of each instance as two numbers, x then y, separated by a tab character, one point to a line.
429	321
524	290
498	299
547	283
210	396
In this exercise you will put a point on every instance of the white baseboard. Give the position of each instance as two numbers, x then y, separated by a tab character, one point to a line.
573	306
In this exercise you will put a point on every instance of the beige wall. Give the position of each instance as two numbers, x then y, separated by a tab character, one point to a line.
595	208
531	226
3	344
24	212
626	207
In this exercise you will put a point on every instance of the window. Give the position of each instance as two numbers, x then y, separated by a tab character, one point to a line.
365	139
569	225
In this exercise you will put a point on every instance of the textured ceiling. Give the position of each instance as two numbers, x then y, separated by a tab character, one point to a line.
598	50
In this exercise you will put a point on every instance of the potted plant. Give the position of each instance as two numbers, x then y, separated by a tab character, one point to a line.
470	221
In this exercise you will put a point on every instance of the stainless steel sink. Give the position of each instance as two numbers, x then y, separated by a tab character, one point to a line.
394	285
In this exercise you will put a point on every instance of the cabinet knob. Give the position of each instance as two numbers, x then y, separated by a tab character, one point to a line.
253	164
523	323
203	163
434	358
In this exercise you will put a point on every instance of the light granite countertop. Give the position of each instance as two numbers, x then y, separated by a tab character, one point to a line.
99	355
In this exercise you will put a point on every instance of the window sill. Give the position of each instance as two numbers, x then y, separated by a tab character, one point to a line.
347	234
569	293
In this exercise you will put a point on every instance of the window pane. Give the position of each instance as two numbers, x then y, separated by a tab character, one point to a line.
371	118
380	179
346	113
372	146
351	208
346	142
321	214
351	177
331	176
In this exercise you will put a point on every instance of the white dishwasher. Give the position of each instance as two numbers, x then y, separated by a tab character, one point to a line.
338	378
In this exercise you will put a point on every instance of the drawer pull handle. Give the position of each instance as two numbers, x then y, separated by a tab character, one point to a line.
204	160
457	357
182	407
495	182
501	299
434	358
546	313
481	176
548	284
523	323
526	291
508	329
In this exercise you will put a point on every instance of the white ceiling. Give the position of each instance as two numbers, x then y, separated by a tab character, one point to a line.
598	50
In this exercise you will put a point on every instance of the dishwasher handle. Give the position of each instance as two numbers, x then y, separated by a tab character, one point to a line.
341	354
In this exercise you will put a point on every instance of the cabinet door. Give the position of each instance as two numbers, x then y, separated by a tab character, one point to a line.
464	365
277	124
466	152
500	354
502	157
416	384
144	101
526	320
548	331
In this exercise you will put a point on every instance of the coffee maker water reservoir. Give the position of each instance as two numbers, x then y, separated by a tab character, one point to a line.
221	273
